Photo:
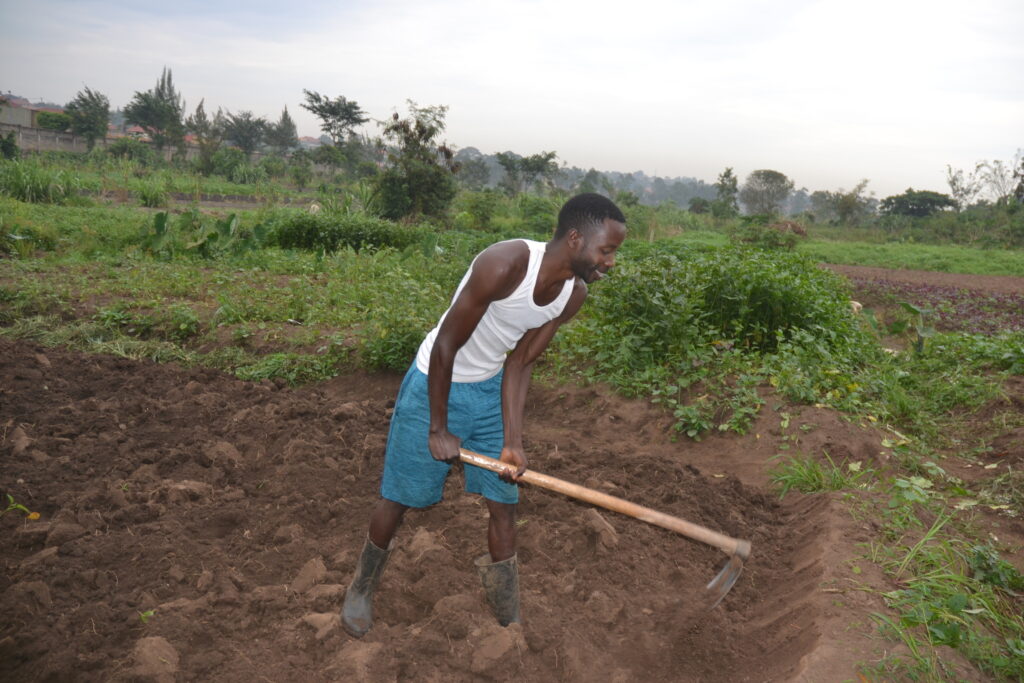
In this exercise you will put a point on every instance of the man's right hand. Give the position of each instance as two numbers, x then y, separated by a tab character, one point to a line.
444	446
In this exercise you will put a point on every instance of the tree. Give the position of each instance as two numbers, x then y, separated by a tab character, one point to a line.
245	131
159	112
997	178
764	191
418	179
921	203
90	113
282	136
963	187
537	167
510	163
851	206
699	205
474	173
595	181
726	192
209	134
52	120
337	117
1018	175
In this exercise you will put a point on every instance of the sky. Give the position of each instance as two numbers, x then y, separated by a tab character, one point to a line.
829	92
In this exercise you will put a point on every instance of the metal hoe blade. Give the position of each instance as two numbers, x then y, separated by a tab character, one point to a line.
726	578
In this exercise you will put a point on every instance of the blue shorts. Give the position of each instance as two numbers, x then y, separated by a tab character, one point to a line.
411	475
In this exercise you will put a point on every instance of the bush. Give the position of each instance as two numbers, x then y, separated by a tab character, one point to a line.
476	209
755	231
273	166
226	160
539	214
330	232
672	307
134	150
301	174
152	193
416	188
8	147
58	121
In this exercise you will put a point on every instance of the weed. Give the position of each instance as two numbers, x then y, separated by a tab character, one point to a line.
29	182
808	475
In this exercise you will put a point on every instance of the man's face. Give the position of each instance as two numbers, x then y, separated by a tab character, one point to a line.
596	254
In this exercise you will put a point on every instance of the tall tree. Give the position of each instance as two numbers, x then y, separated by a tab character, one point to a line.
1018	175
853	205
764	191
595	181
474	174
418	179
727	190
160	112
537	167
337	117
90	113
963	187
521	173
209	134
512	182
997	178
245	131
283	135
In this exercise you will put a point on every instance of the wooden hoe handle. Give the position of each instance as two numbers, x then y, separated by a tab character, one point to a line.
646	514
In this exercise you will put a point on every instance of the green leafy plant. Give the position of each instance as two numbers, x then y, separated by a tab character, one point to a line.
330	232
13	506
917	321
152	194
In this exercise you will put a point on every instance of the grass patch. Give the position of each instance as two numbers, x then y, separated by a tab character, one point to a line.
940	258
809	475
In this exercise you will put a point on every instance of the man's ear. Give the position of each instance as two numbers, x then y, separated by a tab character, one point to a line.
574	239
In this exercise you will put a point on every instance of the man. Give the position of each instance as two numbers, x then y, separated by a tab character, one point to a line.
464	390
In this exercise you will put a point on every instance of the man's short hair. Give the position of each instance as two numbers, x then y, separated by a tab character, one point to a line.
585	211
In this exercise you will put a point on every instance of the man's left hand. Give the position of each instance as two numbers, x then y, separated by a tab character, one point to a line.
517	459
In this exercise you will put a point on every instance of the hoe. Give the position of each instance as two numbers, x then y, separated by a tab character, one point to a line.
737	550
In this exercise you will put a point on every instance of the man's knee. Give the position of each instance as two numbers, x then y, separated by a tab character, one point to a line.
503	515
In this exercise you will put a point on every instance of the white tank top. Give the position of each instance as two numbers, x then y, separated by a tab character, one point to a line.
502	326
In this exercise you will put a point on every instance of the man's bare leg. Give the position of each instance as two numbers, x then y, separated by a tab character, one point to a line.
385	520
501	530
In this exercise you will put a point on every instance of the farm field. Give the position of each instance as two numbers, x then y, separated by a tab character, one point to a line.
232	513
198	423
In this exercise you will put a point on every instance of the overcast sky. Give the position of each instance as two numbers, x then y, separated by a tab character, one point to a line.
827	92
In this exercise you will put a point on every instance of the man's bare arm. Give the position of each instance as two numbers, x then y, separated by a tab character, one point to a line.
516	380
496	273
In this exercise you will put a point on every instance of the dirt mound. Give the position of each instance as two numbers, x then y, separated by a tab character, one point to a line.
200	527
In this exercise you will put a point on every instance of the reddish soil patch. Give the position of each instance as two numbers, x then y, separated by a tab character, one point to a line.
234	512
1003	284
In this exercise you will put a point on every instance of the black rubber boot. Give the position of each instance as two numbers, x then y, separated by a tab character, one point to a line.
357	612
501	585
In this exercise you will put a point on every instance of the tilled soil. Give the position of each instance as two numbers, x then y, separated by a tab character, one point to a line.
997	284
197	527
